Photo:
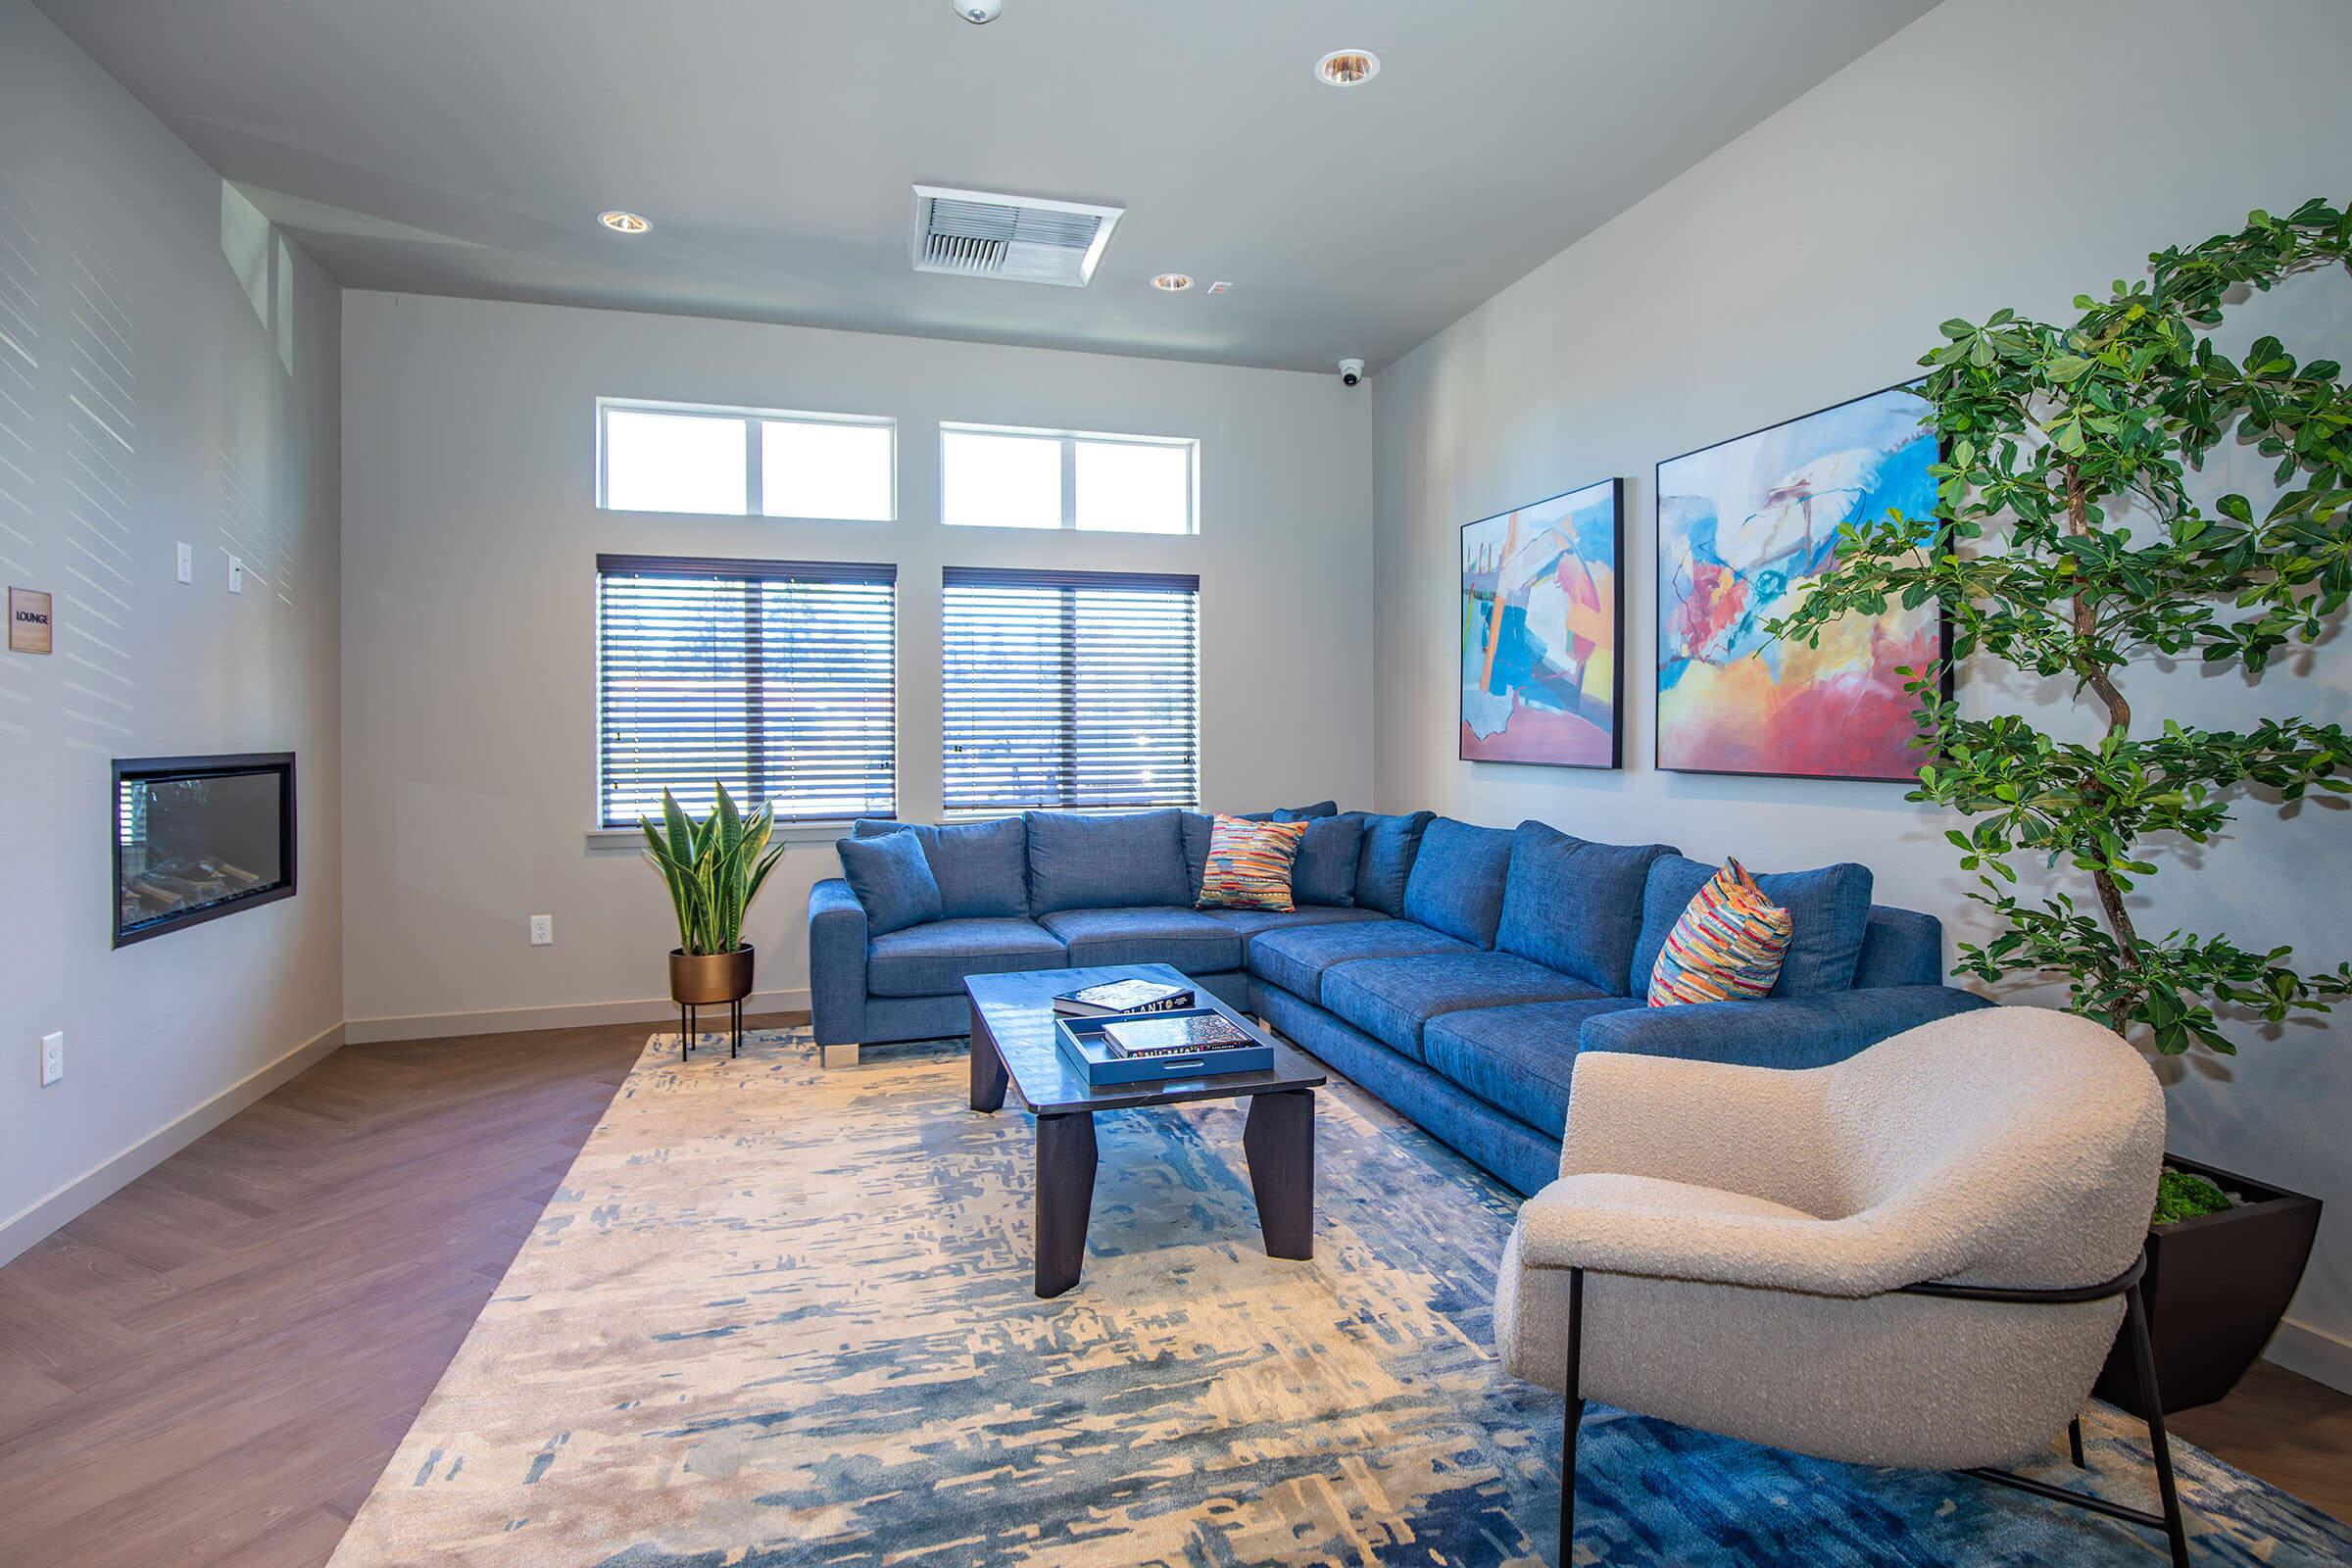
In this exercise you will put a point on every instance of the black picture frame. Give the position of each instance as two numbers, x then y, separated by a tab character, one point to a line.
135	769
1658	499
1616	759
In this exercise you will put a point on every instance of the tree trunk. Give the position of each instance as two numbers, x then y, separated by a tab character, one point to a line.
2118	723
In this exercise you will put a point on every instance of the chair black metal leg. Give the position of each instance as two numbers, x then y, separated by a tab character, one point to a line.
1575	1417
2074	1441
2160	1444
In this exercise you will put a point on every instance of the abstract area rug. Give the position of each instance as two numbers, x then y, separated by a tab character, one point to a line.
777	1316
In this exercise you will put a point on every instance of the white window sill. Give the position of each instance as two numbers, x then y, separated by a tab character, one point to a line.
630	839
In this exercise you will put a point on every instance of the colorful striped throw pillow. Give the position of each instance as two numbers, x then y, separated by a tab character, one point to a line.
1727	946
1249	863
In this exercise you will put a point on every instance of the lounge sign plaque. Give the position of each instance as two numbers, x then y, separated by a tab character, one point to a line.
27	621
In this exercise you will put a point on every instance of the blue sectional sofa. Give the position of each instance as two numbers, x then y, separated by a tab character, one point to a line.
1456	972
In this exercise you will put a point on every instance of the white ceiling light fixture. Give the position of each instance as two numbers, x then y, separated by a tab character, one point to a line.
1348	68
1017	239
622	223
1173	282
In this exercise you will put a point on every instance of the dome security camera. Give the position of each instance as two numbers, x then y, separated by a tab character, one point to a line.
979	13
1351	370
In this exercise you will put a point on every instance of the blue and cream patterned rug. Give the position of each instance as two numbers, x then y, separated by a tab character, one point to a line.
782	1316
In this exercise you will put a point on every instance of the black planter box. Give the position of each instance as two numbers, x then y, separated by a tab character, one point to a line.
2215	1287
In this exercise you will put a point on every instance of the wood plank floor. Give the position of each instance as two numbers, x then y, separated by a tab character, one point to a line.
213	1366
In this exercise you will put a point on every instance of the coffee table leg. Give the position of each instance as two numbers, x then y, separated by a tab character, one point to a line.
1065	1196
987	1068
1279	1140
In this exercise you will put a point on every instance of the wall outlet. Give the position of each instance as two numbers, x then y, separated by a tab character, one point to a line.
185	568
53	1057
236	575
543	930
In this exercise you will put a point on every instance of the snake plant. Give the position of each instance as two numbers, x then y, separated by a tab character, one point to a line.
713	867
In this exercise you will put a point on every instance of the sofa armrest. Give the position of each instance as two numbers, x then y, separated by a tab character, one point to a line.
837	948
1777	1032
1665	1230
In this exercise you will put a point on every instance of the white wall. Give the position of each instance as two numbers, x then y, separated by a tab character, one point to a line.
122	305
468	571
1998	152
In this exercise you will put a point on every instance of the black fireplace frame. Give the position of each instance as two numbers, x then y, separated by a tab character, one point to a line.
132	769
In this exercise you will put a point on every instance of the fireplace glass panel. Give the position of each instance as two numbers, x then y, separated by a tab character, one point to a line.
193	845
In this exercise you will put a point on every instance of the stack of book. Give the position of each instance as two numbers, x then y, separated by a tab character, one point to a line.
1121	997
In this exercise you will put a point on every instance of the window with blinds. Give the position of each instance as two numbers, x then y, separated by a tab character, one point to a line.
776	678
1069	689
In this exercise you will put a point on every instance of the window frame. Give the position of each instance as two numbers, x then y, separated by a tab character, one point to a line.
1070	441
720	569
754	489
1172	583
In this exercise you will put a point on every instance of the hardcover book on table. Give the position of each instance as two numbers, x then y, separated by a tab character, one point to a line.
1189	1035
1116	997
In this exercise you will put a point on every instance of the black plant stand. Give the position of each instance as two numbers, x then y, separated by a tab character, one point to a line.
2135	1328
690	1022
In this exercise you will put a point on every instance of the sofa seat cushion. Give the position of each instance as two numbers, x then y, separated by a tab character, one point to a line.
931	960
1248	923
1189	940
1300	959
1392	999
1518	1059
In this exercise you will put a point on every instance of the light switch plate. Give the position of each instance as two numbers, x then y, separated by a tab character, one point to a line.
53	1057
186	567
543	930
236	575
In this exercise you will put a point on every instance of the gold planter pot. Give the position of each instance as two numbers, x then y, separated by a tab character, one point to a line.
698	979
709	979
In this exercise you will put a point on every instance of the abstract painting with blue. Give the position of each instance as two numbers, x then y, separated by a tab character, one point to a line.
1542	607
1745	527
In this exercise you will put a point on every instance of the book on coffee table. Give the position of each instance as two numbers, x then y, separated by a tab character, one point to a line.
1186	1036
1116	997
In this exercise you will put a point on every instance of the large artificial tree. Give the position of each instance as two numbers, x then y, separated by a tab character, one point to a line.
2067	546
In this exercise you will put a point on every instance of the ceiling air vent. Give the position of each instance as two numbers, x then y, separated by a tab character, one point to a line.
1021	239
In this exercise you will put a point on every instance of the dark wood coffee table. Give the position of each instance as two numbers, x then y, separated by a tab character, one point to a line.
1012	1045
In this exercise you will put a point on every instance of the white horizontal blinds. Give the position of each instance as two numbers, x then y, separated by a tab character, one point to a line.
1069	689
776	678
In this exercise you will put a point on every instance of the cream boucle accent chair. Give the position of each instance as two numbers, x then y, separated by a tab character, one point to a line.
1918	1257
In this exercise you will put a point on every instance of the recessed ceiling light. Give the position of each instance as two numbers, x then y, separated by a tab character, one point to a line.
620	222
1173	282
1348	68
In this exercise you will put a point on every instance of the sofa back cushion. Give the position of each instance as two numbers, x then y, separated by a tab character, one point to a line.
892	880
1325	871
1385	861
1829	909
982	867
1456	885
1576	906
1294	814
1106	862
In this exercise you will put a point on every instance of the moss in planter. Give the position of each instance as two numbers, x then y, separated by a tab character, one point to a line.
2180	1196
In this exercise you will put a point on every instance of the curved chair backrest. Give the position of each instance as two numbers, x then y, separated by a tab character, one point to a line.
2032	1139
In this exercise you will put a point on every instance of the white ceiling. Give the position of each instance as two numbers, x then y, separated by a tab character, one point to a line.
465	146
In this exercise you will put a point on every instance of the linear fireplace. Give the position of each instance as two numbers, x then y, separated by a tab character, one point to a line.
200	837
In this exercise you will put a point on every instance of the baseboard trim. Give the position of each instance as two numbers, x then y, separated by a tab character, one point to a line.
570	1015
51	1214
2314	1353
